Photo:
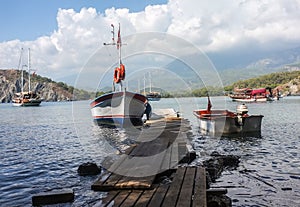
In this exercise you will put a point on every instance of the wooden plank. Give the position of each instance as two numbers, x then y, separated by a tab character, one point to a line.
166	164
100	181
145	198
53	197
159	195
173	192
108	184
119	199
186	192
109	198
199	198
142	168
183	156
113	166
135	182
111	182
131	199
174	155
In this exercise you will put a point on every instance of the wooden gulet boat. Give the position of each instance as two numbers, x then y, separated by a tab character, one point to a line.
26	98
119	108
151	95
251	95
225	122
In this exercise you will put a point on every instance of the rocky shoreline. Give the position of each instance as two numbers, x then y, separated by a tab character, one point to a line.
47	89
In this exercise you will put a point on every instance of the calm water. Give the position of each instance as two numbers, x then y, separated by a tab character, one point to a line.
42	147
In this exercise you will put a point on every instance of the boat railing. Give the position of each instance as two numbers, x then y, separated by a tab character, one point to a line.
214	113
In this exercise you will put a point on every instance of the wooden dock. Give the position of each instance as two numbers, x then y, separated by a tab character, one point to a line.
188	188
132	179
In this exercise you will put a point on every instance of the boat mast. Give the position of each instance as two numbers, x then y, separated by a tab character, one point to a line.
144	85
150	78
119	45
21	64
29	88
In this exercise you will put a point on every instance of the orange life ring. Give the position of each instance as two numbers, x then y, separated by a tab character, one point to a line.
122	71
117	78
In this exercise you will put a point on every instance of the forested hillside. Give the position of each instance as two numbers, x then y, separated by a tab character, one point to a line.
287	82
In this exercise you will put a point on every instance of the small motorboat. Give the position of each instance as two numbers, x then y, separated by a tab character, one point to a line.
225	122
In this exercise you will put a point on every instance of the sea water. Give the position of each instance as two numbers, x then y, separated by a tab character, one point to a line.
42	148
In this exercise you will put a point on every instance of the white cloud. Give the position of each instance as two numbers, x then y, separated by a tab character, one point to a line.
213	26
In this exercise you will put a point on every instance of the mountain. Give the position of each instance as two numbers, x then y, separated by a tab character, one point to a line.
47	89
287	60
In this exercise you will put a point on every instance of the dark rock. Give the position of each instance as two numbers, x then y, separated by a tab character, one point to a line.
215	153
218	201
88	169
218	163
216	191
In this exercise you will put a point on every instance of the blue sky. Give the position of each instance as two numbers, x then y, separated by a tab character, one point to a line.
30	19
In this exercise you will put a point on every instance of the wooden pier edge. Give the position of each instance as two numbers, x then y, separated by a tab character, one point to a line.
187	189
187	186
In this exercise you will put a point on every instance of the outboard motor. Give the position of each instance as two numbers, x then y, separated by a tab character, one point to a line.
241	111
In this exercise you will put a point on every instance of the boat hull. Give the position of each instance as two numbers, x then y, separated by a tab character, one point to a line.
119	109
26	102
249	100
227	123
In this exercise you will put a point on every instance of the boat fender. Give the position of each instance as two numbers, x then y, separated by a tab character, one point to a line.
122	71
117	78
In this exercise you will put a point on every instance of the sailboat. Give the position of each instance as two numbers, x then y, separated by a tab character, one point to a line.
26	98
151	95
119	108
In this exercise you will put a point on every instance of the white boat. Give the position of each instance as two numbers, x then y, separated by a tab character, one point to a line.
119	108
153	96
225	122
26	98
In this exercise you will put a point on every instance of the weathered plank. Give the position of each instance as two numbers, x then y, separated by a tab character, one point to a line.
131	199
145	198
158	197
186	192
109	198
166	164
53	197
173	192
199	198
119	199
174	155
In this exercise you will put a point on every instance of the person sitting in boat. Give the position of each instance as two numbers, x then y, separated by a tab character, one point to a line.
148	110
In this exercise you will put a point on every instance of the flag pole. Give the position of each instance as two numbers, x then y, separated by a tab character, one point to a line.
208	103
